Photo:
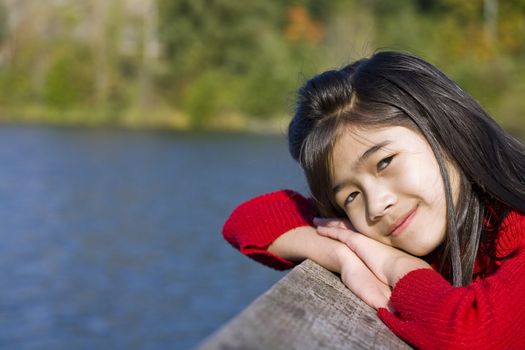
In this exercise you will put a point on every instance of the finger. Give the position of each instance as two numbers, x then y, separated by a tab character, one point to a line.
343	235
331	232
360	280
377	256
363	246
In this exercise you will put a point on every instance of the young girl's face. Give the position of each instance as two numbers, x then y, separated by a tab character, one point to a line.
388	182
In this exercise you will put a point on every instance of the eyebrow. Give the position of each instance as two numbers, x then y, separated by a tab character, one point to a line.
367	154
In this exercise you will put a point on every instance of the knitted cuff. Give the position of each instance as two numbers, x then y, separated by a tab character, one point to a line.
255	224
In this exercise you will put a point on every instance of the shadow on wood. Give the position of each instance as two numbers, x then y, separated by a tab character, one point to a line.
310	308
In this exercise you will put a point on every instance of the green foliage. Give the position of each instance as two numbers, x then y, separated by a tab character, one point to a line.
245	58
216	33
68	81
3	22
13	87
224	37
201	99
243	43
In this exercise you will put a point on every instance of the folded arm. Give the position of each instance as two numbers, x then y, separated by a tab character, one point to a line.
430	313
277	230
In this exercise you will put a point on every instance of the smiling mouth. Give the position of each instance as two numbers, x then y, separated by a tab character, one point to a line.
402	223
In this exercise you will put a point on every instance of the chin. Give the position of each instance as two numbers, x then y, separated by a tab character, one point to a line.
426	249
420	251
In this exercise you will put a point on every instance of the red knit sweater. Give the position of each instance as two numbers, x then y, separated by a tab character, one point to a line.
430	313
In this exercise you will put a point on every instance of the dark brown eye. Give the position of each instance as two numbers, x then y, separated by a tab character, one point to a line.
384	163
351	198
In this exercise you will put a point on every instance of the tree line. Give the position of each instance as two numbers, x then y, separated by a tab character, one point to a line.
236	64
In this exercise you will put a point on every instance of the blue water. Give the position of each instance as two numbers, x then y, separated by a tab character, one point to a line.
111	239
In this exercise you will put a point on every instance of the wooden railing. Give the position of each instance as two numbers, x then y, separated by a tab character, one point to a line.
310	308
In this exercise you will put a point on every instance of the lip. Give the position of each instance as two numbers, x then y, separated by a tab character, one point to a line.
402	223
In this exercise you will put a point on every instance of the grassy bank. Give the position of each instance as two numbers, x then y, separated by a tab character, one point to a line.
155	118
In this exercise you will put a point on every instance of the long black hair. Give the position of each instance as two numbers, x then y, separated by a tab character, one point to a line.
395	88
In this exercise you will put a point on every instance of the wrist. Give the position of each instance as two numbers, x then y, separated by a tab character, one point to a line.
295	244
305	243
327	252
343	256
405	264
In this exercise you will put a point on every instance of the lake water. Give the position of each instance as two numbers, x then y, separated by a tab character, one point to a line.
111	239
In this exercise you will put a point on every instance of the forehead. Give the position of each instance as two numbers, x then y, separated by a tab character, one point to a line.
353	142
353	138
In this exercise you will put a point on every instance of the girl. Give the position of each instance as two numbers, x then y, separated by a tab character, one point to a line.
425	199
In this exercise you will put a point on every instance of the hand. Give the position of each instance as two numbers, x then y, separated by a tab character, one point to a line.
361	281
304	242
387	263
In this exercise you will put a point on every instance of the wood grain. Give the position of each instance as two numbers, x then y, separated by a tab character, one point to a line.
309	308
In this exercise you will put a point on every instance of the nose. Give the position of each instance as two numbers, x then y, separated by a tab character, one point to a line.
379	199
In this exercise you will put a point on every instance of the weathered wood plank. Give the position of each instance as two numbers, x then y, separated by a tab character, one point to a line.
310	308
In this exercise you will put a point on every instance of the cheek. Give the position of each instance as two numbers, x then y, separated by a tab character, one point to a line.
423	178
435	235
357	219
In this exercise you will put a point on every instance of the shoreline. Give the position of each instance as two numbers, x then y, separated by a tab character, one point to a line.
157	119
163	119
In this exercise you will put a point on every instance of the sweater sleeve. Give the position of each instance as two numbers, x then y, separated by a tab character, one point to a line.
256	223
487	314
